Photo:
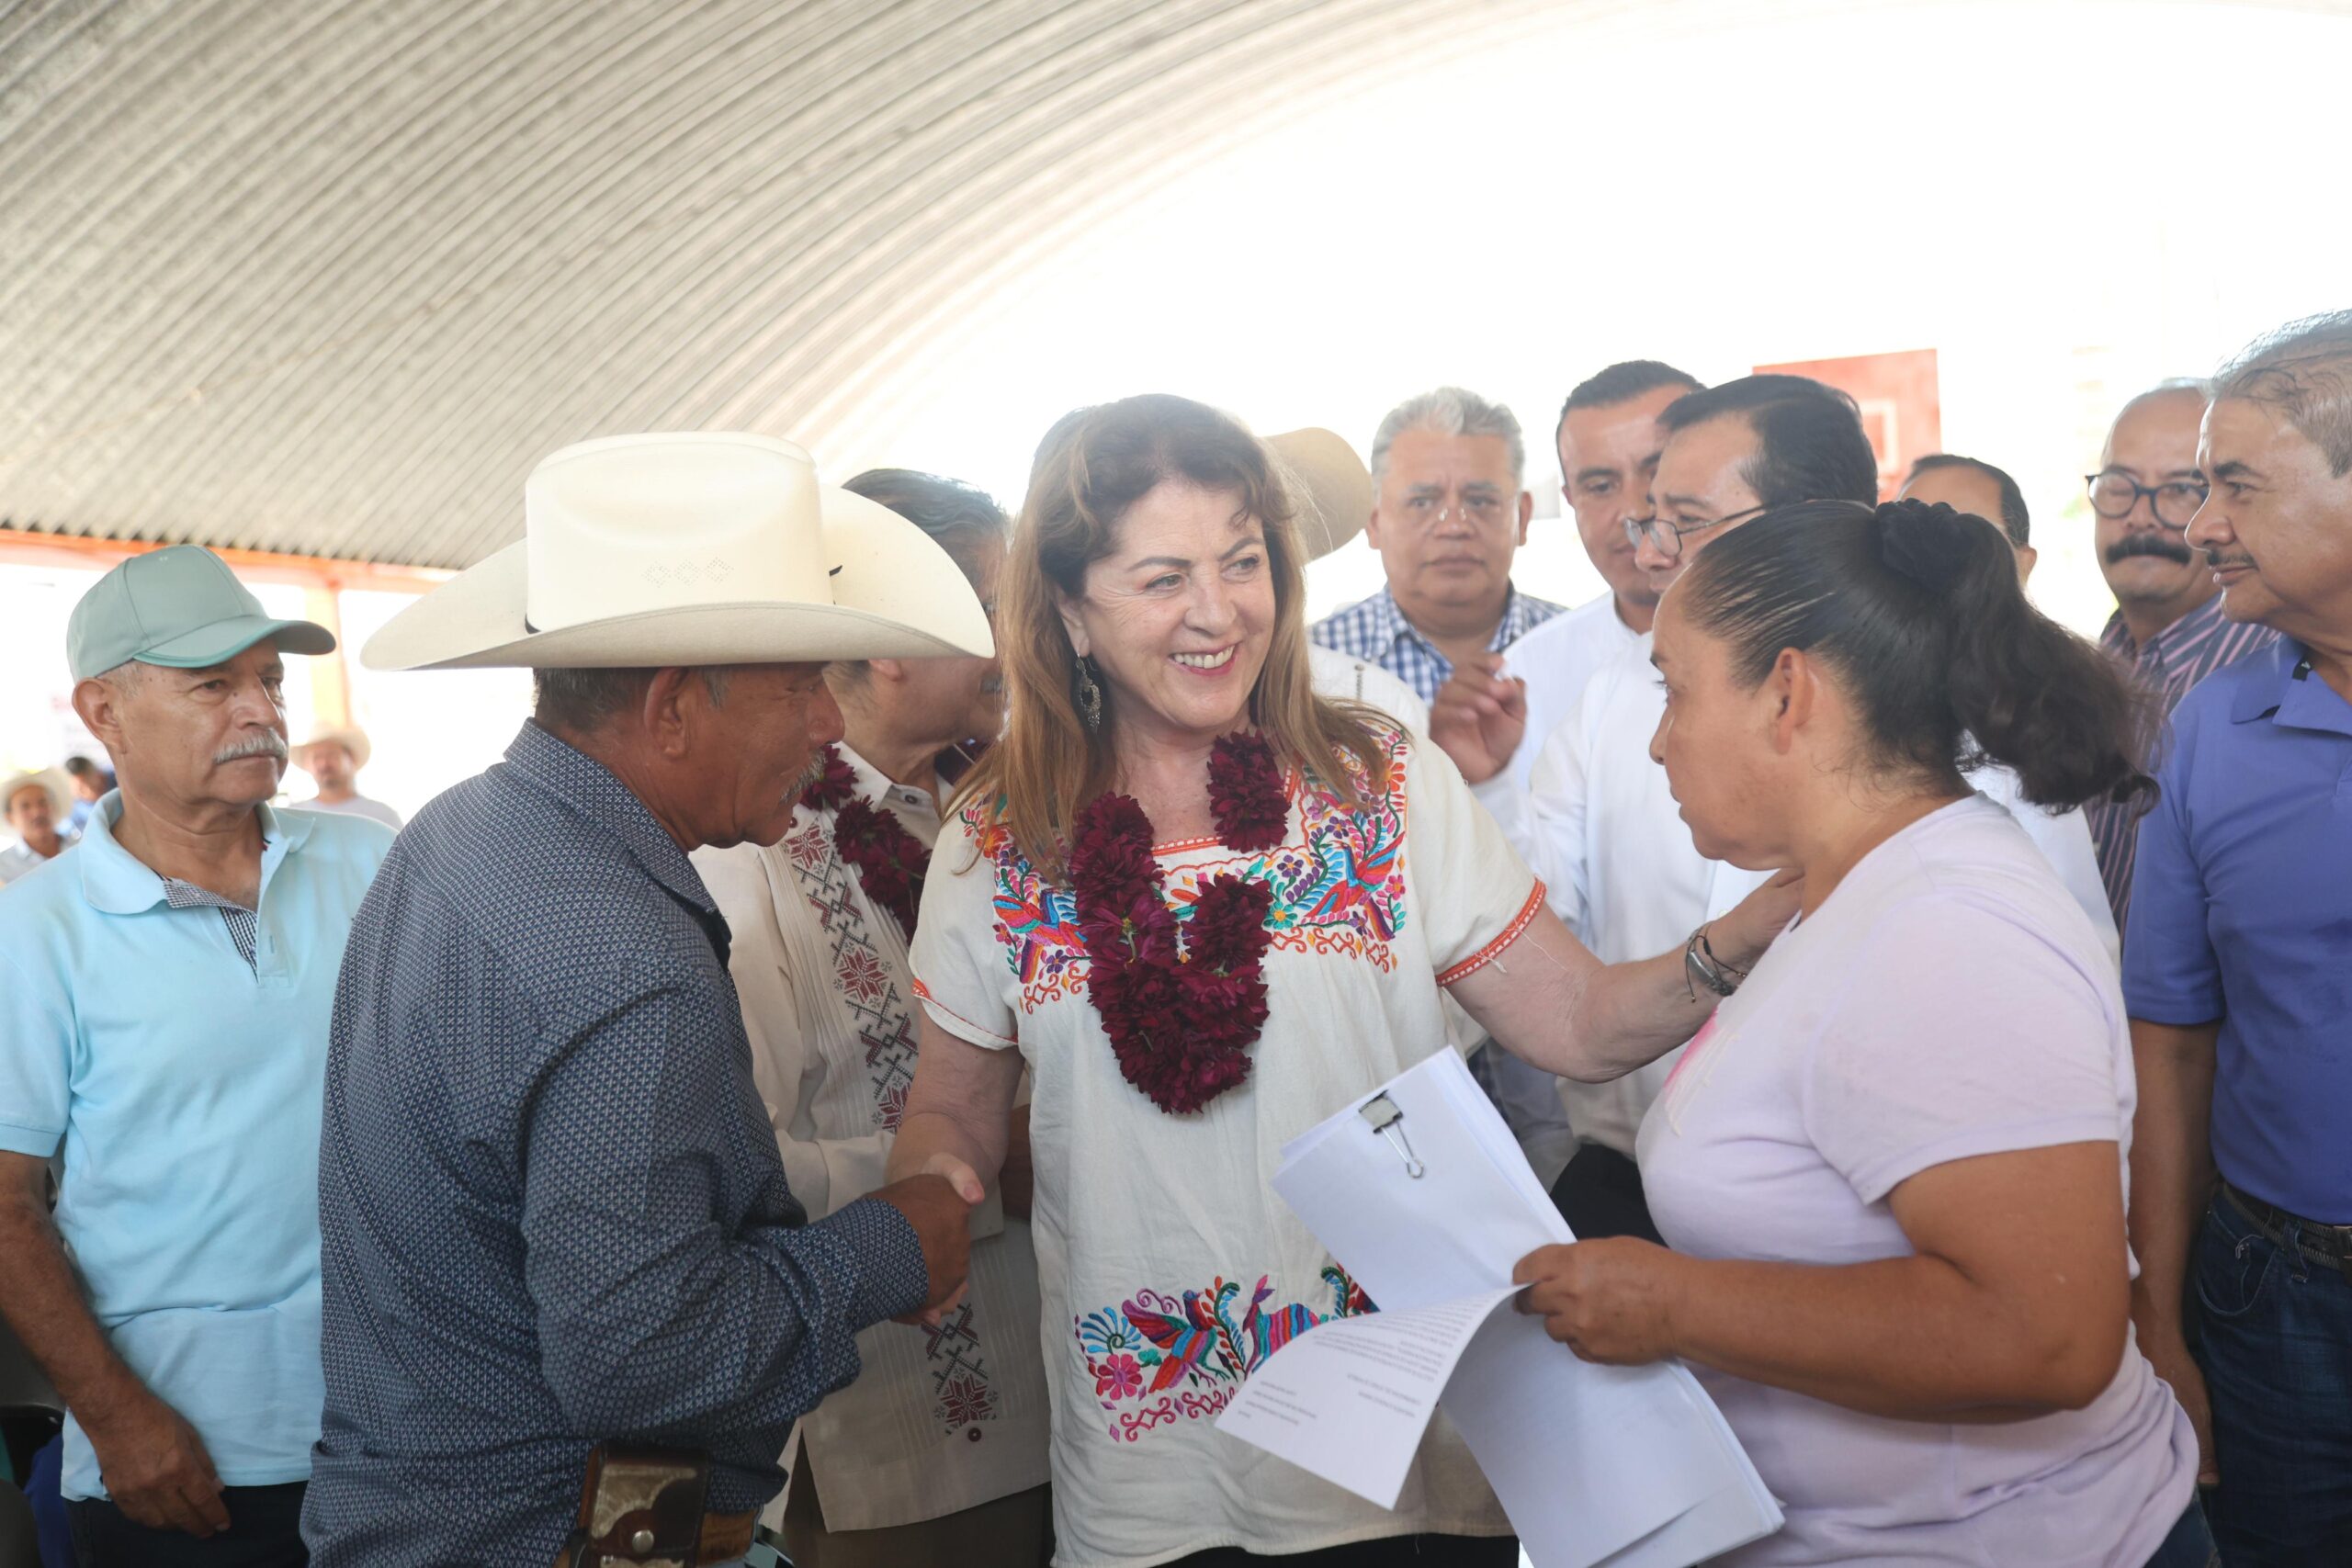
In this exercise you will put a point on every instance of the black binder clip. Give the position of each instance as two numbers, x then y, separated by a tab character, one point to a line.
1381	1112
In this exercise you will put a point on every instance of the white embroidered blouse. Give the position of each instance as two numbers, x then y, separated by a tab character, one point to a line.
938	1421
1169	1269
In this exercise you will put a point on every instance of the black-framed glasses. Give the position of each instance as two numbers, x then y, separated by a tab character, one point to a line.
1666	538
2114	494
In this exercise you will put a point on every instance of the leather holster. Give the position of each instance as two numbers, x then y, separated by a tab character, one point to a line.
639	1509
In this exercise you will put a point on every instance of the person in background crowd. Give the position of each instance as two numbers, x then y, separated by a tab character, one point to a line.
552	1206
935	1456
1609	440
1449	510
1976	488
91	784
1980	490
33	804
163	1010
1599	826
2167	627
1298	880
1891	1165
333	757
2238	972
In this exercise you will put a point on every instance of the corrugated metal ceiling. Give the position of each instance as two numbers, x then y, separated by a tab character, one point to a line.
325	277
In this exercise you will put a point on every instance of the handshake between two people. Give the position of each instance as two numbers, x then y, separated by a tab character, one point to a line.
938	1201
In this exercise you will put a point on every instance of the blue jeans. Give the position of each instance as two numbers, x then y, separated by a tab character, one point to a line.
2190	1544
2277	1351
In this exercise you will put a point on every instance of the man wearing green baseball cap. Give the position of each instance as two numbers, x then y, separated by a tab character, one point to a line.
164	1006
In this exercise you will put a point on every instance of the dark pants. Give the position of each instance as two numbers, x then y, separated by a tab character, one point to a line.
2190	1544
2276	1346
264	1531
1392	1551
1600	1194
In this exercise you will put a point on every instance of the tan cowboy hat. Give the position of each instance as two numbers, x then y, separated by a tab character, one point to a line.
351	738
60	799
691	549
1333	487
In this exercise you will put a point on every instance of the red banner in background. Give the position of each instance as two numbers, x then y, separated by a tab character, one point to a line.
1902	405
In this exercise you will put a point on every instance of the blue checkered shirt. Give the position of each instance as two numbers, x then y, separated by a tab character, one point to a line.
1376	631
550	1203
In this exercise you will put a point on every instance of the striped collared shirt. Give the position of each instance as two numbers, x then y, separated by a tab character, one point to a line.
2171	661
1375	630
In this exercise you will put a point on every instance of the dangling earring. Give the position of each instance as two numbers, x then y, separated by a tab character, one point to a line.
1086	692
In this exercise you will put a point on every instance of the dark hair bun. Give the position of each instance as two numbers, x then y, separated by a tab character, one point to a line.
1928	543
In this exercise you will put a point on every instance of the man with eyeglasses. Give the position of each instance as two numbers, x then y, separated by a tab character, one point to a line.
1598	823
2167	625
1608	439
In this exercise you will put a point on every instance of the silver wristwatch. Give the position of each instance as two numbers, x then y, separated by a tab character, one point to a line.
1701	967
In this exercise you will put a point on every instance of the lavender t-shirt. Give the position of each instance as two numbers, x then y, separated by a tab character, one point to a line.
1948	1000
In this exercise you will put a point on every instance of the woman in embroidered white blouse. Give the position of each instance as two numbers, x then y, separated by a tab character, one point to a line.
1206	908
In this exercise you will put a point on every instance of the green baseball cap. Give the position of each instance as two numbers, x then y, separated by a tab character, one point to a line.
181	608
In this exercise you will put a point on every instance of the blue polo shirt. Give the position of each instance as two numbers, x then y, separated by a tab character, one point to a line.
181	1081
2241	911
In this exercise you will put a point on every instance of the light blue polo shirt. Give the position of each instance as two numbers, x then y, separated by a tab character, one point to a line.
2241	911
183	1088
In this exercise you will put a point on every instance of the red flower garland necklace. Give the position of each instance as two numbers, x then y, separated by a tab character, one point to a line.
1180	1022
891	862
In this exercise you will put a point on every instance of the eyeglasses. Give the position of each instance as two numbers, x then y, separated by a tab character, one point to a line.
2114	494
1666	538
1484	511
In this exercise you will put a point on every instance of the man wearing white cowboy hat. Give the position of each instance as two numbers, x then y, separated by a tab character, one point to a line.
164	1001
39	809
553	1207
333	757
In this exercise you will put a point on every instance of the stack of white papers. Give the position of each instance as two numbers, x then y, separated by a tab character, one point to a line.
1628	1466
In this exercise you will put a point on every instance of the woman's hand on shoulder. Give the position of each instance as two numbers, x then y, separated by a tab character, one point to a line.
1609	1301
1740	937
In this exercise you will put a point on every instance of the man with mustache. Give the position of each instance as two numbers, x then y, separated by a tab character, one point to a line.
2234	973
164	996
2168	625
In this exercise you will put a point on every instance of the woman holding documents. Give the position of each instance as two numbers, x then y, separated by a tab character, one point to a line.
1891	1166
1208	908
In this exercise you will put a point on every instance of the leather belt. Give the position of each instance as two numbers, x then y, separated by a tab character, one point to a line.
726	1537
2313	1238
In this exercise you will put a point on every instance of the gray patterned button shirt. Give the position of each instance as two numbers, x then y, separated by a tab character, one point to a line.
552	1206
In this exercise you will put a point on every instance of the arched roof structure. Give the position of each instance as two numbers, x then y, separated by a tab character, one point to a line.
325	277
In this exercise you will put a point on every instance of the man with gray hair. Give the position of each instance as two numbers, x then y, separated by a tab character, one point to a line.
1449	511
165	998
2234	970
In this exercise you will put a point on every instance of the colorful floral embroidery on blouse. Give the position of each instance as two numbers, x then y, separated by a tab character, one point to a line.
1338	879
1158	1359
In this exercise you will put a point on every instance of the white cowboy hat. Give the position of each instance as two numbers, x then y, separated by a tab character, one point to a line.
351	738
1333	487
691	549
60	799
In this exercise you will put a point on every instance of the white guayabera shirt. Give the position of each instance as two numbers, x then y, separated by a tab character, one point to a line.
939	1420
